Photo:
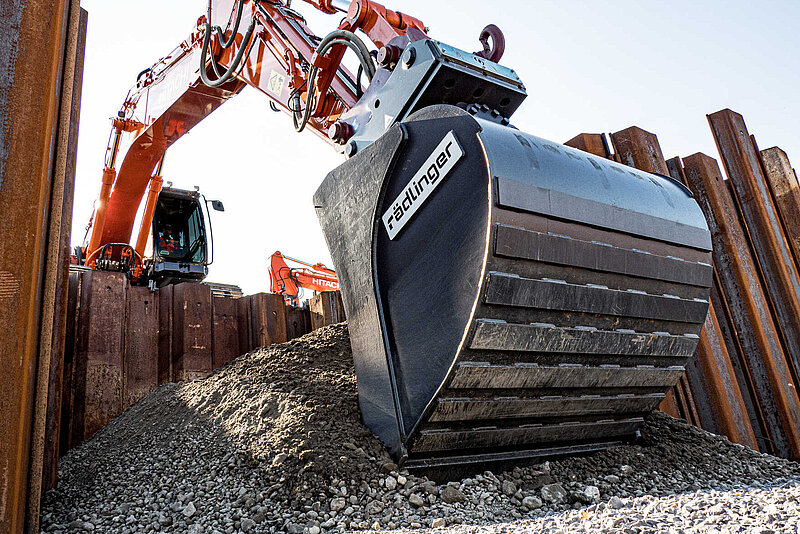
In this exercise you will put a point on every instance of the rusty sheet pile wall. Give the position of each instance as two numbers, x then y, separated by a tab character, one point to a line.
744	377
123	341
41	69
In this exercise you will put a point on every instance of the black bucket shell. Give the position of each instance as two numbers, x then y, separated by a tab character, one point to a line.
508	296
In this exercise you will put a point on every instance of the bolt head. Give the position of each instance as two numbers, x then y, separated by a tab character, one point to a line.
340	132
350	149
388	55
408	57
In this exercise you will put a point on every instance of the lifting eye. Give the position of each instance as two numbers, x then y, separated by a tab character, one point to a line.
498	46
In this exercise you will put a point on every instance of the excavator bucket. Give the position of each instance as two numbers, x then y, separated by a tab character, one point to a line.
507	296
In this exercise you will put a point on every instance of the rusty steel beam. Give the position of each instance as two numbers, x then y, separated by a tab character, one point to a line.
741	368
62	198
78	372
639	148
298	322
32	38
786	233
326	309
224	331
70	350
165	371
267	319
699	387
681	403
727	404
781	279
755	327
244	324
141	345
729	411
691	413
192	352
101	367
785	188
669	405
592	143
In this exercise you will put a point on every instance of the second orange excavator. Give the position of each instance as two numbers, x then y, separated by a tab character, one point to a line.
290	281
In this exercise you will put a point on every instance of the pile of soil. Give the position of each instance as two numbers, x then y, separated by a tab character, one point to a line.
273	442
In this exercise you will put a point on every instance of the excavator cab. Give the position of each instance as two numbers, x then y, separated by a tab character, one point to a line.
180	240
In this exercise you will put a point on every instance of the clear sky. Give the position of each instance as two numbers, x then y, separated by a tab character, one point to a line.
588	66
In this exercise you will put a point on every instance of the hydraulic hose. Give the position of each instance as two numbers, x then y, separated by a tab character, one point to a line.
221	32
342	37
226	43
359	90
236	60
230	72
364	55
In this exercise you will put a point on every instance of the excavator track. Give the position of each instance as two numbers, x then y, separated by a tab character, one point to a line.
535	300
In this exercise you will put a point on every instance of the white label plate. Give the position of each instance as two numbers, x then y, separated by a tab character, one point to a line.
416	192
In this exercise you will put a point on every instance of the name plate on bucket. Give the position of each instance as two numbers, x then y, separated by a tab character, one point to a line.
416	192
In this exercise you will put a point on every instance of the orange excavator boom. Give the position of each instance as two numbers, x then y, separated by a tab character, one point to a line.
238	43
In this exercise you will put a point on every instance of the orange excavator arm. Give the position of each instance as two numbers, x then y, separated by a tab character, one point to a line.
238	43
288	281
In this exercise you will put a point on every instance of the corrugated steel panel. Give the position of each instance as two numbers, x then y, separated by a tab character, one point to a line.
756	330
32	37
763	227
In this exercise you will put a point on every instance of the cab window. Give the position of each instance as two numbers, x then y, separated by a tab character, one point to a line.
178	230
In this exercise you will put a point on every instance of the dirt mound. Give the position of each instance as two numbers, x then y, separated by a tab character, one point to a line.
293	406
273	443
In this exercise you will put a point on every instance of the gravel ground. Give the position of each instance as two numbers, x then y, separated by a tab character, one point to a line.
762	510
273	443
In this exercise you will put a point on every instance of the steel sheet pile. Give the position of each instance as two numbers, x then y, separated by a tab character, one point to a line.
745	375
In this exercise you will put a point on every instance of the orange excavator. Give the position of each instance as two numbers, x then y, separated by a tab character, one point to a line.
290	281
508	297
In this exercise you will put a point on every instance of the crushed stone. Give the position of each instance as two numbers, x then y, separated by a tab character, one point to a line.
273	442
